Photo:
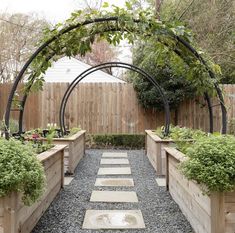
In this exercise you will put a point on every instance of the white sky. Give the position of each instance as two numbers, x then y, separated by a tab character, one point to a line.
52	10
57	11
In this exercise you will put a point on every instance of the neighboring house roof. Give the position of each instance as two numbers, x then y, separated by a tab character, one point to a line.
67	69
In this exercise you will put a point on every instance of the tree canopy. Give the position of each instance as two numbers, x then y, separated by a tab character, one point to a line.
19	34
212	24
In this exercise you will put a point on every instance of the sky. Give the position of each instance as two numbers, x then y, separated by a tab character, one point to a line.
57	11
53	10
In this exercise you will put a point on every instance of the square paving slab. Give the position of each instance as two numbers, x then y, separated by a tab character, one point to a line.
68	180
113	219
114	161
113	196
114	171
161	182
114	155
114	182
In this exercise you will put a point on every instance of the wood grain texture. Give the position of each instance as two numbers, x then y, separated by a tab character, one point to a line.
111	108
14	215
206	214
155	151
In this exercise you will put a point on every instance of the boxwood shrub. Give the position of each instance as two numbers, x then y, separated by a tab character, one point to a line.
122	141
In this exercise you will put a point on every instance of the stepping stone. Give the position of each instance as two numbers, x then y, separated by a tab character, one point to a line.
114	161
114	171
113	219
114	182
161	182
113	196
114	154
68	180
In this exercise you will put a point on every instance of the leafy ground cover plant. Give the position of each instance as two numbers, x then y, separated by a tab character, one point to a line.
34	137
37	137
73	131
111	141
211	162
182	136
21	171
180	133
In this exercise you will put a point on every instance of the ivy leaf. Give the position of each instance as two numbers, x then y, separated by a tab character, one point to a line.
128	5
105	5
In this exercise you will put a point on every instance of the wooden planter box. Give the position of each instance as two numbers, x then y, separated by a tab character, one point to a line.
206	214
74	151
15	217
155	151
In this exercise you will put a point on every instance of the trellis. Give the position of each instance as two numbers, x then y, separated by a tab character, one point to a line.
59	42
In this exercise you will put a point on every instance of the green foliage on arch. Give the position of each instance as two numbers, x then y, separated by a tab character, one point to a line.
77	34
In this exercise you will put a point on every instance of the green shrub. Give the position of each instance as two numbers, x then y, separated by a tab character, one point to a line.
180	133
21	171
211	163
73	131
182	136
125	141
170	74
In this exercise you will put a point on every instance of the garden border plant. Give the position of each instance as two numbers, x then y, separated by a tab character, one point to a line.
21	171
76	37
24	197
74	141
156	141
202	182
117	141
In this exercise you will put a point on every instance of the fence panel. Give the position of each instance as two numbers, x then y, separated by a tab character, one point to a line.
111	108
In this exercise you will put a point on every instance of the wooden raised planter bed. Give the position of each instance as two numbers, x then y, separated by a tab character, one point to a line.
206	214
74	151
15	217
155	151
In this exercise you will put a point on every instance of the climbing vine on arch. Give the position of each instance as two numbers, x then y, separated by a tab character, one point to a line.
76	35
114	26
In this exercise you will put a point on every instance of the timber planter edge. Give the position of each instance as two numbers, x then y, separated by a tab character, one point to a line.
155	151
75	150
207	214
14	215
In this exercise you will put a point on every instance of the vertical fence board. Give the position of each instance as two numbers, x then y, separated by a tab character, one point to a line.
111	108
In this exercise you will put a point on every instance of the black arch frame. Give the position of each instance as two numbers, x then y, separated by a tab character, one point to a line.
103	20
93	69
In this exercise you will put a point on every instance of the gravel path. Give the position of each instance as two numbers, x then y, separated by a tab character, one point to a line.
161	214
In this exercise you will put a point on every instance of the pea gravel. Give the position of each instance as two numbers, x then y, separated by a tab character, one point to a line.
66	213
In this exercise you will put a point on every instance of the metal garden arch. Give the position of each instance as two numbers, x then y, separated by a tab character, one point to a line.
110	65
114	19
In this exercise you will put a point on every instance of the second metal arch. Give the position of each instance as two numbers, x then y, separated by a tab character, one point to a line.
110	65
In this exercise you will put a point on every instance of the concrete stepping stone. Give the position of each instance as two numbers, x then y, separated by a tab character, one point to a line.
114	171
113	219
161	182
114	182
114	161
113	196
68	180
114	155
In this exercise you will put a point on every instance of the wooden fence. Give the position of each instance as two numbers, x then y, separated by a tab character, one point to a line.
111	108
194	113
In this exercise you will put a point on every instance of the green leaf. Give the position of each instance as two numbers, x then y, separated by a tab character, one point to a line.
128	5
105	5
